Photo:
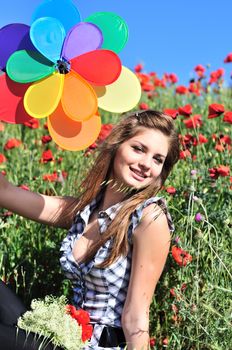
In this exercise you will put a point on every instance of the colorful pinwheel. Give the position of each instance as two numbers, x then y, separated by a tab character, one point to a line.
63	69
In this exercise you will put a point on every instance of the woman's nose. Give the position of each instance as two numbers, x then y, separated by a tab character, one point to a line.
145	162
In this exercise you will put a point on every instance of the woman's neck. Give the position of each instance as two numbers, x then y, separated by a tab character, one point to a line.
112	196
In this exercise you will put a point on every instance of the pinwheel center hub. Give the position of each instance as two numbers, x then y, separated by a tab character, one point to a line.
63	66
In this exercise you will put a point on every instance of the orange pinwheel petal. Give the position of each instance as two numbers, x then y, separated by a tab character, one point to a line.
73	135
79	99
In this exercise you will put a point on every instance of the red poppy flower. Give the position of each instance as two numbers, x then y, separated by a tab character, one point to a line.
202	139
200	70
51	177
186	140
215	110
47	156
225	139
223	170
160	82
216	75
138	68
25	187
46	139
33	123
228	117
105	131
87	330
171	112
143	106
152	341
180	256
194	88
186	110
182	90
172	292
12	143
220	72
82	317
143	78
171	190
193	122
2	158
219	147
213	173
147	87
228	58
184	154
172	78
165	341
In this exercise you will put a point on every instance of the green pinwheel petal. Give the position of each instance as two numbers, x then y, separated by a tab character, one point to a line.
28	66
114	30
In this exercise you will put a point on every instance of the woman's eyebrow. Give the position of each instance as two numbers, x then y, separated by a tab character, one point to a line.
146	148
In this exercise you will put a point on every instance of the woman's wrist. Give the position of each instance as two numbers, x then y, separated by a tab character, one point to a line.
137	334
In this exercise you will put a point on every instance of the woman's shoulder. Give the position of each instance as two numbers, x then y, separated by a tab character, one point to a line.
152	209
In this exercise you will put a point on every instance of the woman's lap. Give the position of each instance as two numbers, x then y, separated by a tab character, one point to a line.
11	337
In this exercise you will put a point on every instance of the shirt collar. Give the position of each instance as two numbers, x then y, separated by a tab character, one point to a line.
89	208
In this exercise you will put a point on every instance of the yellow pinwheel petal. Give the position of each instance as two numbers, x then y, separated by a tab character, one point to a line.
122	95
42	98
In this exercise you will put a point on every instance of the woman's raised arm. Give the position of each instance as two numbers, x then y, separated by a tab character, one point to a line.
50	210
151	242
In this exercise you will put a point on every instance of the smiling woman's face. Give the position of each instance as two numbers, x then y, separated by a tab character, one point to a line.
139	160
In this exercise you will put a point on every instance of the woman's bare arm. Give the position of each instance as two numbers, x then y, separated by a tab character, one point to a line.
151	244
50	210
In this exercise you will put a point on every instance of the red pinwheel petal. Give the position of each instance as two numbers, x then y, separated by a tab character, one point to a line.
100	67
11	101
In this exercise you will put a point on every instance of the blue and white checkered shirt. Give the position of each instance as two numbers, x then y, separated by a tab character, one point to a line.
101	291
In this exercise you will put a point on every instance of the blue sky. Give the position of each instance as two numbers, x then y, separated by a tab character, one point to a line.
170	36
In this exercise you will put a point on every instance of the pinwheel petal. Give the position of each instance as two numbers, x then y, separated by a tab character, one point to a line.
73	135
14	37
79	100
42	98
11	101
28	66
82	38
113	27
48	34
63	10
100	67
122	95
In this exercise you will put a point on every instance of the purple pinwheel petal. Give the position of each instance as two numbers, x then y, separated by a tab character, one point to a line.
82	38
14	37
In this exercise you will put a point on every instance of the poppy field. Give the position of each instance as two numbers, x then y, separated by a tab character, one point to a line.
191	308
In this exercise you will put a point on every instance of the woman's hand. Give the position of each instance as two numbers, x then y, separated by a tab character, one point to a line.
50	210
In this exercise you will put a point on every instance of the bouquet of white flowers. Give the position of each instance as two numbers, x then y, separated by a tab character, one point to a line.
58	322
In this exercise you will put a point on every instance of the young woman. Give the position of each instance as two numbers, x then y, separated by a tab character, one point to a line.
119	230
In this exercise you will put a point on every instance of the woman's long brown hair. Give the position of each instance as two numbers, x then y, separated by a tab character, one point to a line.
99	174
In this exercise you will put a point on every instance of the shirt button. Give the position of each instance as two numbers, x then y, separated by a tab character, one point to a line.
101	214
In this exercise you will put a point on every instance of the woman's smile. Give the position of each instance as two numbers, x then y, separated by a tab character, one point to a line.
137	174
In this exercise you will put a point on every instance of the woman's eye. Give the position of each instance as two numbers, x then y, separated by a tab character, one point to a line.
137	148
158	160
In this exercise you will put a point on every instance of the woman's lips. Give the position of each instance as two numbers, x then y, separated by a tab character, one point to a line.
137	175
